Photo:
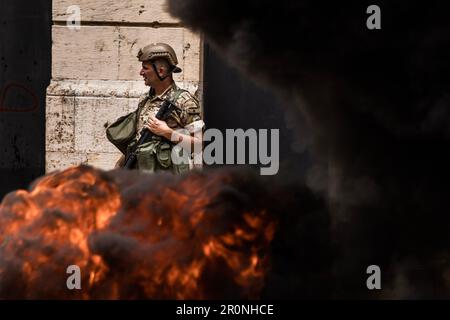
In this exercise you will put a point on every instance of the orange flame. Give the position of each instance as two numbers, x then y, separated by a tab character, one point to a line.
143	236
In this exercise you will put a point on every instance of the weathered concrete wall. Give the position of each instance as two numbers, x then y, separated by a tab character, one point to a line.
95	73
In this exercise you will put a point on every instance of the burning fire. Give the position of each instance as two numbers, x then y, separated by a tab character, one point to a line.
133	236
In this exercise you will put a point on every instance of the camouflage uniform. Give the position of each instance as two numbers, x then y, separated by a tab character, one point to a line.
155	155
187	112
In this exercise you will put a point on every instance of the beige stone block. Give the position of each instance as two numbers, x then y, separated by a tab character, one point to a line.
107	88
131	11
103	160
132	106
91	117
60	116
60	160
88	53
109	53
134	38
97	88
191	56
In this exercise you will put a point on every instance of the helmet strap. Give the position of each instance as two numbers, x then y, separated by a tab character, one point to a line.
161	78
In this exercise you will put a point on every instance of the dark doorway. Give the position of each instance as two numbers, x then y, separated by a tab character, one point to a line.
232	101
25	71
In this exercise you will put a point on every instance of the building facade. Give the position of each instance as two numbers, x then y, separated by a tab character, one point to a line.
95	72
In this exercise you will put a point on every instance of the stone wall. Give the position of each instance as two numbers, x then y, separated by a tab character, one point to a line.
95	73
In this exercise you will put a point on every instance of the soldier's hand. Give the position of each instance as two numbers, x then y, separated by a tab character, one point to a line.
159	127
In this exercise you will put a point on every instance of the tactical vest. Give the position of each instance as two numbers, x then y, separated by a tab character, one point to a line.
154	155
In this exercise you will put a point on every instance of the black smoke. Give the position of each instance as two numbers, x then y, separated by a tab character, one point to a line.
377	103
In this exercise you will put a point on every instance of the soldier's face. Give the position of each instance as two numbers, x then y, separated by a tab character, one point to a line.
148	73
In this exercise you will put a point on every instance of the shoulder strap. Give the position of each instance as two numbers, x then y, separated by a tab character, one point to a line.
142	104
175	96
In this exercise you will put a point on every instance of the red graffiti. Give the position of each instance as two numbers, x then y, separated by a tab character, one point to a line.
11	86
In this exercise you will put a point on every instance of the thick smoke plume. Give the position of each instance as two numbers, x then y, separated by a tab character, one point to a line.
377	102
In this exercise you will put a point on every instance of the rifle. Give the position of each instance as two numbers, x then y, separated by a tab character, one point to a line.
163	113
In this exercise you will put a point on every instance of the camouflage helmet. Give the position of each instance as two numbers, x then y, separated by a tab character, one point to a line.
159	50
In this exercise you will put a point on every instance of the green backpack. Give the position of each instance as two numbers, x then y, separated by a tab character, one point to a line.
153	155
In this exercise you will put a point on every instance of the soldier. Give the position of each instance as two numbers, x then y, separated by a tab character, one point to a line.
159	61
